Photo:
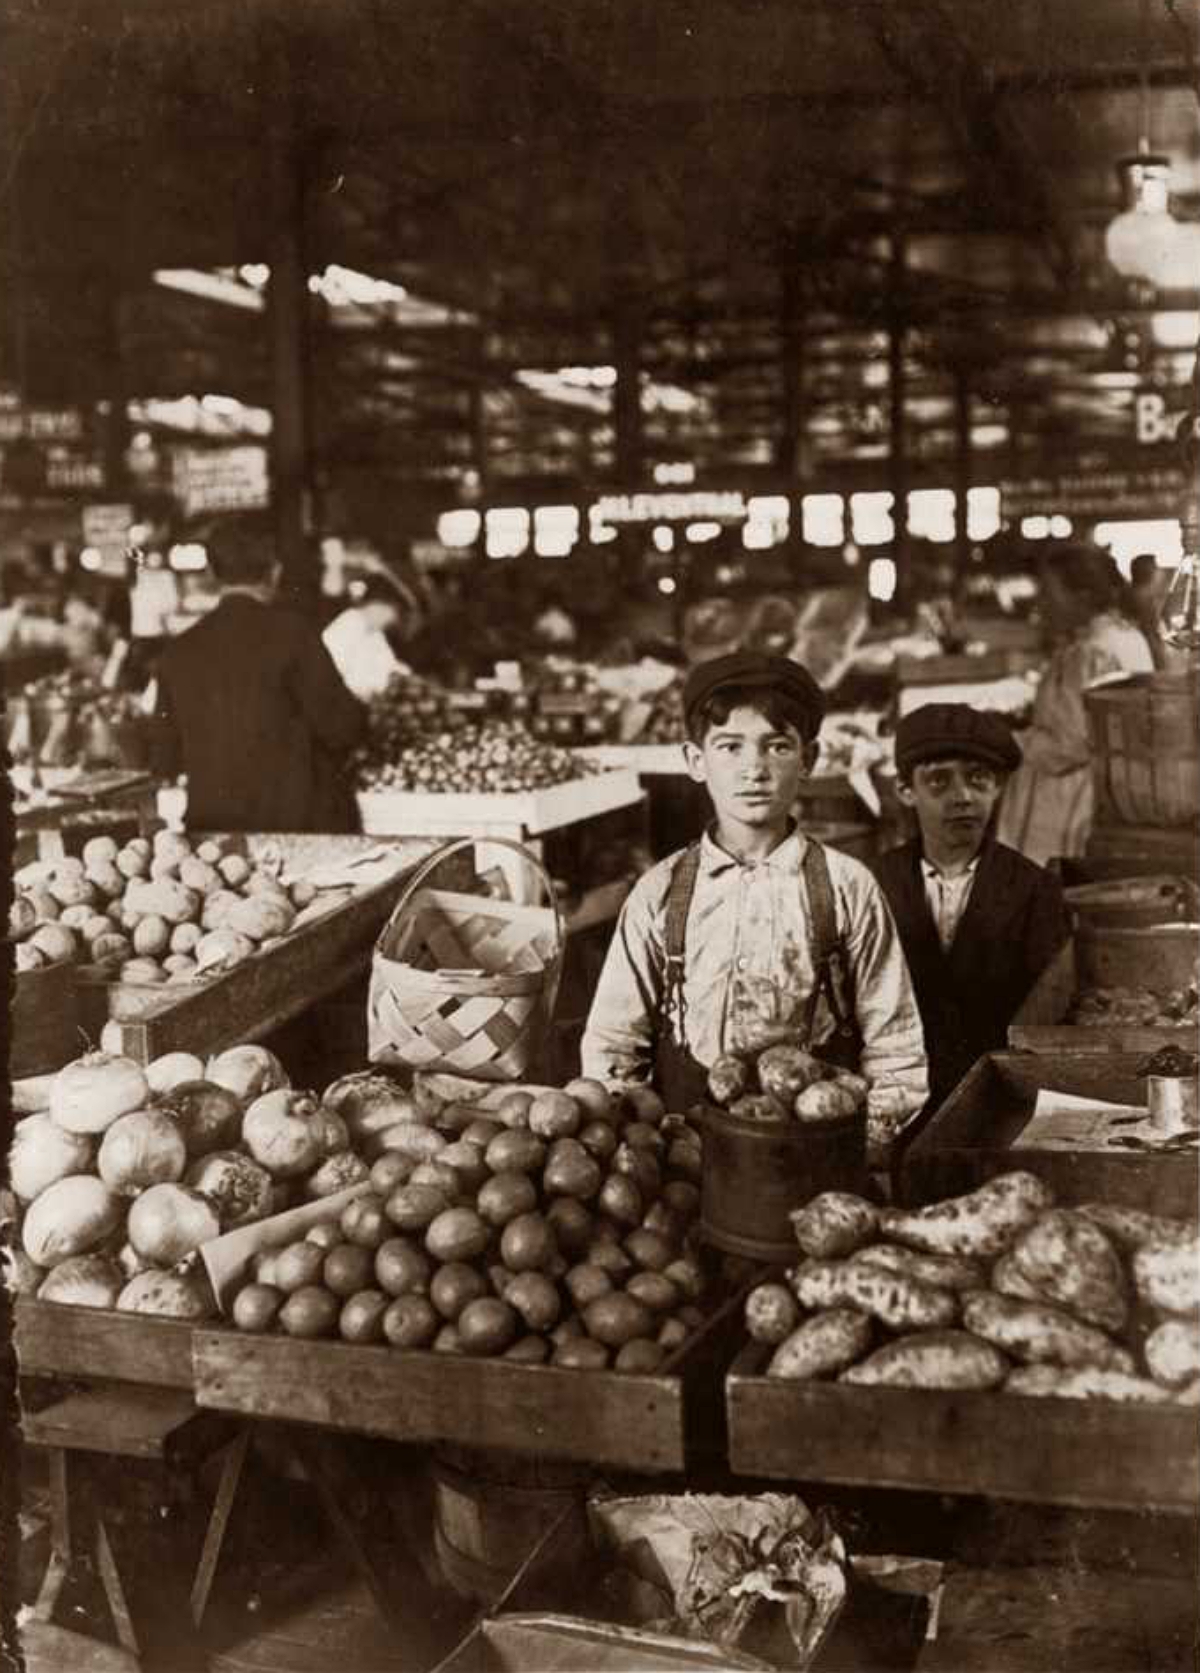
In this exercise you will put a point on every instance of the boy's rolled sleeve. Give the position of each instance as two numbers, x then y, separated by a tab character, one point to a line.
893	1055
619	1039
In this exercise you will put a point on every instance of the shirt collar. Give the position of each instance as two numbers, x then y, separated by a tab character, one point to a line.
787	857
931	870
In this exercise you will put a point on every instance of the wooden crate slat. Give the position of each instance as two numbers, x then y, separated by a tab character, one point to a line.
632	1421
1046	1451
53	1340
970	1138
607	1418
481	814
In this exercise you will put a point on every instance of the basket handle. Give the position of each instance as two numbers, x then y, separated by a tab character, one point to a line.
429	865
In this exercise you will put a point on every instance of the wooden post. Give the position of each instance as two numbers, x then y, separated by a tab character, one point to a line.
287	324
627	425
116	422
962	473
790	445
897	426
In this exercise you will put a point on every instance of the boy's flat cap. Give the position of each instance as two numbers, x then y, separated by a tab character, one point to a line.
939	731
754	670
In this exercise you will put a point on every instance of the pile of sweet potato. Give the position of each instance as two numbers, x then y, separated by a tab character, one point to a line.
996	1289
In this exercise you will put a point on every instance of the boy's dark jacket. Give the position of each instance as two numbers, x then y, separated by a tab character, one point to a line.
1014	923
252	708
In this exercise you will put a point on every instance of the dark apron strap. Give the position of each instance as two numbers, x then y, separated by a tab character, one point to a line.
830	975
679	904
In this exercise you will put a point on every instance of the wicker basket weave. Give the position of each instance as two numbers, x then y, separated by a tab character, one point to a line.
464	984
1146	741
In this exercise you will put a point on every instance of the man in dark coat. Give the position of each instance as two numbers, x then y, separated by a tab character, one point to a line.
251	707
978	922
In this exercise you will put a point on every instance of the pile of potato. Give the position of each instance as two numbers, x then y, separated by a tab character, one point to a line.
784	1082
553	1227
998	1289
152	912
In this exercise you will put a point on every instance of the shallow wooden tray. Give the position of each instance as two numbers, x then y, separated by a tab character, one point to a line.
519	814
1062	1452
276	983
970	1137
622	1420
53	1340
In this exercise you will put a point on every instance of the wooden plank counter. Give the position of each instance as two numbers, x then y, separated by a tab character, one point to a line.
606	1418
971	1138
1087	1453
53	1340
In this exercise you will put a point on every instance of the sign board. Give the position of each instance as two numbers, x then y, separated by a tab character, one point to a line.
693	506
1130	484
220	478
19	422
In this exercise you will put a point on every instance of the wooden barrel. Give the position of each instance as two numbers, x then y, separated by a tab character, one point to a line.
1145	735
491	1510
43	1021
755	1173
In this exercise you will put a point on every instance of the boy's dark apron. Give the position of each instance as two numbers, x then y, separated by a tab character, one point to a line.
681	1081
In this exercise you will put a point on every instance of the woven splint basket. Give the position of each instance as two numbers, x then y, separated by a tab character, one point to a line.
464	984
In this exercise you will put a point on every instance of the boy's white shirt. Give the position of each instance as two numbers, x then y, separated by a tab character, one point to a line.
750	920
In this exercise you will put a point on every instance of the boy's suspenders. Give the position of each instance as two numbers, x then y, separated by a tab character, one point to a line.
831	975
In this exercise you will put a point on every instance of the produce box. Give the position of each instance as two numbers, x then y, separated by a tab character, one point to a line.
549	1643
1087	1453
1162	958
274	984
517	814
971	1137
618	1420
53	1340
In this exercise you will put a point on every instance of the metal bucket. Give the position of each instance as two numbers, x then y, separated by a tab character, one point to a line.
755	1173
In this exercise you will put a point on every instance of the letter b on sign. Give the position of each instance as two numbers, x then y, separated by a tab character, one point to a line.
1153	423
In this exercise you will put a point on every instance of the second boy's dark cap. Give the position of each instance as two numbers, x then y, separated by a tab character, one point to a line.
755	671
942	731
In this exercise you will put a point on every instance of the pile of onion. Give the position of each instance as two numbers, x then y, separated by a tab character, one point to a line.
168	1222
91	1093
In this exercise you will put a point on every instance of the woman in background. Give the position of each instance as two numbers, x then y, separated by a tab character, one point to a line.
1047	805
358	642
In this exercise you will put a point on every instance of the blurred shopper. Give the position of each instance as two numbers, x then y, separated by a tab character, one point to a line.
978	922
1047	805
251	707
1147	589
357	639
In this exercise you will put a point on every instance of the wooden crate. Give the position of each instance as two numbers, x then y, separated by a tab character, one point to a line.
606	1418
1156	846
970	1138
53	1340
276	983
1086	1453
1163	956
519	814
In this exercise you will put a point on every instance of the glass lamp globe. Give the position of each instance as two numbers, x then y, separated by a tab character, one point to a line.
1175	261
1141	234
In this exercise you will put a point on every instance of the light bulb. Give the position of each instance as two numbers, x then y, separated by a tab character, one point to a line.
1140	237
1173	262
1179	618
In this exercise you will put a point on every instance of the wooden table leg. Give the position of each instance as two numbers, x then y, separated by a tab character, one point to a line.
114	1591
60	1538
214	1535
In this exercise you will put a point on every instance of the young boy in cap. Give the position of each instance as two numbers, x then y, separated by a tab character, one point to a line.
979	922
756	926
